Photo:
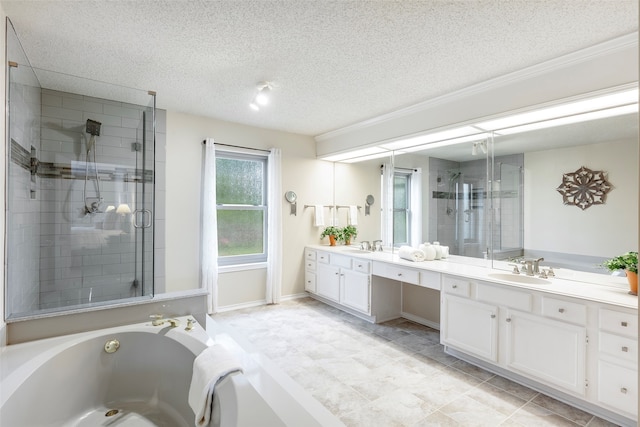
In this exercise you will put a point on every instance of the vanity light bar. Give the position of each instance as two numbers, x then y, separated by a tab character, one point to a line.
385	153
357	153
593	115
564	110
448	134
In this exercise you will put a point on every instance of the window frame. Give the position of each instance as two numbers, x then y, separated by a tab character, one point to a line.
234	260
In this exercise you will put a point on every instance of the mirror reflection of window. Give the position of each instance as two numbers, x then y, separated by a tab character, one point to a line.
401	208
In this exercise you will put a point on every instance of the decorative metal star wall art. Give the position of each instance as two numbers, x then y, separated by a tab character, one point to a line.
584	188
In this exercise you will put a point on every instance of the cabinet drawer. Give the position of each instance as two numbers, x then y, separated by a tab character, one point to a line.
618	387
564	310
310	282
323	257
430	279
623	348
341	261
500	295
456	286
310	254
619	322
396	273
310	265
361	266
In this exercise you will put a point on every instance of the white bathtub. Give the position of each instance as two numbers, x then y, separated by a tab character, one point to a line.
73	381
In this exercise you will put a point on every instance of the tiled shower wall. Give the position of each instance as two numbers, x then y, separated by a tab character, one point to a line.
90	258
23	216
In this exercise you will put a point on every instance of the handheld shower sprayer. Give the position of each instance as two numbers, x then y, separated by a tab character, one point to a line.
92	204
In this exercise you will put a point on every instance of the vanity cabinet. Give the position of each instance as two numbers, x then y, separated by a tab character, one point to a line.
509	328
617	360
341	279
310	270
550	351
470	326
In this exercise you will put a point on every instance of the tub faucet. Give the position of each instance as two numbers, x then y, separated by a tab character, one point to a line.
159	321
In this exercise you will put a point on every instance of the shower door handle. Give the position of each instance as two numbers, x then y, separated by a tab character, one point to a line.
142	213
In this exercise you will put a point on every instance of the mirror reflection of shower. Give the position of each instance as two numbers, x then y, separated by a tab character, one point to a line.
452	192
92	204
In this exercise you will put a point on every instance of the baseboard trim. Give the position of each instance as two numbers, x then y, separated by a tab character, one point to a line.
420	320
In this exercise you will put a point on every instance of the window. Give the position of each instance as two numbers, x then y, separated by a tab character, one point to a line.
401	208
241	202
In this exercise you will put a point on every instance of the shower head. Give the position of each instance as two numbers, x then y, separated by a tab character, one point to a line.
93	127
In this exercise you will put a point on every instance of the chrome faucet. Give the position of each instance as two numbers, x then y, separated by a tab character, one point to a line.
377	245
365	245
532	266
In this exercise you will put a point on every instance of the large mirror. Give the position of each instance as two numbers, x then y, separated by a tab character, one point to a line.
497	197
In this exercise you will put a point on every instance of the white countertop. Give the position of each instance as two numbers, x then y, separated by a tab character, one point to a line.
588	286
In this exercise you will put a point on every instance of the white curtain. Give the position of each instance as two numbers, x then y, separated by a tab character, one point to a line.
209	262
274	227
386	220
416	208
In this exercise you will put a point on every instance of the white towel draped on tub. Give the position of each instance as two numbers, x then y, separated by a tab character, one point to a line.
209	368
319	218
411	254
353	215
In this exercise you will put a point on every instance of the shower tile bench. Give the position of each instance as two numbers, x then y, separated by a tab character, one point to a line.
575	340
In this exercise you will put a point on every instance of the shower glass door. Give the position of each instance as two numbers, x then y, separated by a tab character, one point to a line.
80	191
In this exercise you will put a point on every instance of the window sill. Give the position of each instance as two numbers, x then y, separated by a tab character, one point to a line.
242	267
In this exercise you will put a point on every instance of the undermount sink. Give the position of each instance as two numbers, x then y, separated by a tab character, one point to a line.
517	278
358	251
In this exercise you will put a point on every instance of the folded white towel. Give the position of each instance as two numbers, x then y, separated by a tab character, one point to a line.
411	254
353	215
209	368
319	218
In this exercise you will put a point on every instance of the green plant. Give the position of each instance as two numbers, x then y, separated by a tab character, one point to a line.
626	261
332	231
348	232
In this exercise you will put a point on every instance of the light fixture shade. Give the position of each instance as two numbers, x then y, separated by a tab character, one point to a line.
261	97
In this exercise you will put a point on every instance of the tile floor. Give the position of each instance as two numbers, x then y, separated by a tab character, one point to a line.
390	374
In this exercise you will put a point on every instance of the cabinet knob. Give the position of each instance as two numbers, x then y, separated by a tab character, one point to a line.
623	324
399	274
493	316
623	390
508	319
454	286
561	310
359	265
625	349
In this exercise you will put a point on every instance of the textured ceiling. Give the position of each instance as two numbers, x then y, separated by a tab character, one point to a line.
335	62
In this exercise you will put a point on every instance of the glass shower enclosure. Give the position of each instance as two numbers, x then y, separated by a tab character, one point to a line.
80	190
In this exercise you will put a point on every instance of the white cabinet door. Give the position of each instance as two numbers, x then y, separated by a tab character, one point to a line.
328	282
354	290
469	326
547	350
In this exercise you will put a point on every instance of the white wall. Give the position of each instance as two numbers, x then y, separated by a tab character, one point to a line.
552	226
311	179
3	109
